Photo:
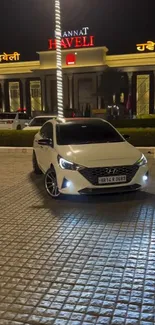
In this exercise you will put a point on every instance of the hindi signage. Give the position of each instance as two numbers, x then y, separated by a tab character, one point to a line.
149	45
9	57
73	39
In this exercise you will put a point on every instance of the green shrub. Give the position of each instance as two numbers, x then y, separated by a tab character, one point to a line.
138	137
135	123
146	116
14	138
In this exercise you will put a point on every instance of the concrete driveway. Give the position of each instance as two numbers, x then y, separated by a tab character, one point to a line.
85	260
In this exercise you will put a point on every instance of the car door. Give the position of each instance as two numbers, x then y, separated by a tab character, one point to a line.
22	118
38	148
45	154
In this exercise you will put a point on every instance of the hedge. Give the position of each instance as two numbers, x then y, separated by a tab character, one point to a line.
134	123
14	138
146	116
138	137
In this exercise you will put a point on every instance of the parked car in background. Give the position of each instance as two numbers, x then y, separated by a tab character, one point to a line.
13	121
37	122
87	156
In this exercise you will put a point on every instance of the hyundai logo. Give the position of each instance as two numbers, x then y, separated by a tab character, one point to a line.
111	171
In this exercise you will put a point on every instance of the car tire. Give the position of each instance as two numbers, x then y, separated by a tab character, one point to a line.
36	168
19	127
50	182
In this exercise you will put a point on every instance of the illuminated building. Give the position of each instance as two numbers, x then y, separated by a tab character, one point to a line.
32	85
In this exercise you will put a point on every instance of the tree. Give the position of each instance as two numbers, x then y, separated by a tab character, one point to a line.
113	82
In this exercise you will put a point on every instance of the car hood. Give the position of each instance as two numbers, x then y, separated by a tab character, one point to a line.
100	155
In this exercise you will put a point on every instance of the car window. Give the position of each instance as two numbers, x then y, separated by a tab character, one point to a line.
47	131
7	116
23	116
39	121
85	132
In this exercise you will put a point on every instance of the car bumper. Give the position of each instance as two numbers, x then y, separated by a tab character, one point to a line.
73	183
6	127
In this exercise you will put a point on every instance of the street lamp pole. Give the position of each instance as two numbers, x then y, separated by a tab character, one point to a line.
59	59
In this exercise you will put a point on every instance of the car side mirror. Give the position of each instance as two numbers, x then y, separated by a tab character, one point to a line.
26	124
126	136
45	142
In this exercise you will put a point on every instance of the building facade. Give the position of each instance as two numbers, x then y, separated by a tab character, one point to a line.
32	85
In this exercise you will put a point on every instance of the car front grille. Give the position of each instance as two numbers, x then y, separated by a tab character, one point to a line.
92	174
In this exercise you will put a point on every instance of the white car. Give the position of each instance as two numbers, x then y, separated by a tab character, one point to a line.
87	156
37	122
13	121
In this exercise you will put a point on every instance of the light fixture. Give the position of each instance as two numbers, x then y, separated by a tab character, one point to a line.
59	58
145	178
142	161
65	164
68	184
65	183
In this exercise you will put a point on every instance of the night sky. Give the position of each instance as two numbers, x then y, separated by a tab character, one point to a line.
26	25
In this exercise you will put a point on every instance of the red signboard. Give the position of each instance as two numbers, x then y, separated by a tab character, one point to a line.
70	59
72	42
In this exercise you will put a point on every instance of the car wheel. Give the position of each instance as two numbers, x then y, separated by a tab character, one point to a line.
50	182
19	127
36	168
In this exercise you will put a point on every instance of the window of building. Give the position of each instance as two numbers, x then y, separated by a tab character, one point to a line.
14	96
122	98
35	95
143	94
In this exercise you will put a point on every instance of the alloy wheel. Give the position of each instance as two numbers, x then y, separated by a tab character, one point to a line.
51	183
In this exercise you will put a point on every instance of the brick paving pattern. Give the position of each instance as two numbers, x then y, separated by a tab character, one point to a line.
76	260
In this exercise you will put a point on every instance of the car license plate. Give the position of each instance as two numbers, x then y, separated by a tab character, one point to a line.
112	179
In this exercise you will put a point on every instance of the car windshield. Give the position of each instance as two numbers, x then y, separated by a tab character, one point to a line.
85	133
7	116
39	121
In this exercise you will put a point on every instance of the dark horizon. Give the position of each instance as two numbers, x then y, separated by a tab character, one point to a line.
29	24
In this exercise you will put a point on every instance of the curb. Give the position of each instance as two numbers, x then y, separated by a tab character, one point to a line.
147	150
16	149
25	150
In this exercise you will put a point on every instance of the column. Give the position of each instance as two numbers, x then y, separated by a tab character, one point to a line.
43	93
24	92
99	78
130	81
3	95
70	90
130	109
154	93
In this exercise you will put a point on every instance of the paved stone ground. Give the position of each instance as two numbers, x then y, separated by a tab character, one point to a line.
77	260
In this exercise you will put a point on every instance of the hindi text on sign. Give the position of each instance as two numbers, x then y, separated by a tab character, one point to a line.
149	45
9	57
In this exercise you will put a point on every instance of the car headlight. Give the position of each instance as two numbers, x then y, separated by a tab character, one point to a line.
142	161
65	164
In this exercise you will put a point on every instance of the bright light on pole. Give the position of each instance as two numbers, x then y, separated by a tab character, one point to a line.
59	58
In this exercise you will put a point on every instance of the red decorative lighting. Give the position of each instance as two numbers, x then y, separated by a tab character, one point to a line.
73	42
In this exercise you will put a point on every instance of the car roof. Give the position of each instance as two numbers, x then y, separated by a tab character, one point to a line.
45	116
95	121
